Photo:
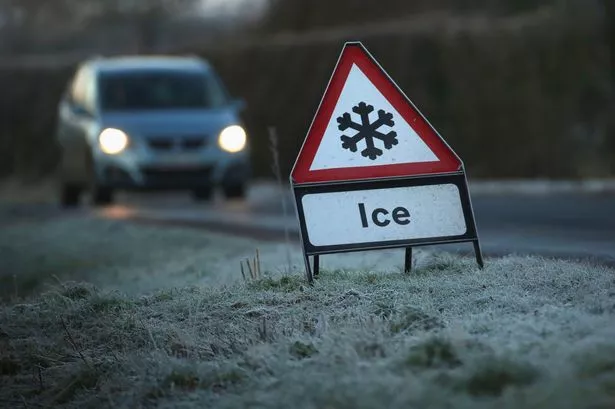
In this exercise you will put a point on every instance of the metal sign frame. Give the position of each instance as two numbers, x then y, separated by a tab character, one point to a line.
458	178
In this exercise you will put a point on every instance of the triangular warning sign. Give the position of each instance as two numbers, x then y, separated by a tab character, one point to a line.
366	128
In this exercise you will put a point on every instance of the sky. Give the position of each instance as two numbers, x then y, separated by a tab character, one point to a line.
233	8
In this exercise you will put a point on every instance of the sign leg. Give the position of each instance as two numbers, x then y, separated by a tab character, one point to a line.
408	260
316	265
478	253
308	269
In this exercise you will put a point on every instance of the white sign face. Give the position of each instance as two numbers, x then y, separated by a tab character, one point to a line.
380	215
408	148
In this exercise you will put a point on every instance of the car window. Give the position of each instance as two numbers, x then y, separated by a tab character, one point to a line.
78	87
89	97
165	89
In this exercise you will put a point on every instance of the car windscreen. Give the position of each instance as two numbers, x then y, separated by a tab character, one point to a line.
165	89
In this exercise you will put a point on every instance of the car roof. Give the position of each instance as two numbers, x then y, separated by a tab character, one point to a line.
131	63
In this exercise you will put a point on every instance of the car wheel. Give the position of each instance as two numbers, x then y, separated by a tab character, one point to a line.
70	195
202	194
234	191
102	196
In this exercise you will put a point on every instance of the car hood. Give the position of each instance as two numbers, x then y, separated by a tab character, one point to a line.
170	123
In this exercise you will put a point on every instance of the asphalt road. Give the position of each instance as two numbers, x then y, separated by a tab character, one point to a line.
570	225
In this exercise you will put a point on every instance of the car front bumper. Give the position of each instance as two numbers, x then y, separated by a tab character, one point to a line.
132	171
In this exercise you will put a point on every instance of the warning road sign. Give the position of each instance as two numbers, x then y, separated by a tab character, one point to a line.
366	128
373	173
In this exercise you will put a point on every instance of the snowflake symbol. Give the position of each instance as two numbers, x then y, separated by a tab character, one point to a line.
368	131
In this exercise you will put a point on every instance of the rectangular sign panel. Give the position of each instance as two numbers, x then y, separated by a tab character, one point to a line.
383	215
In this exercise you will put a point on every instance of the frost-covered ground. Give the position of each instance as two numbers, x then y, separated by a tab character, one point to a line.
166	320
137	258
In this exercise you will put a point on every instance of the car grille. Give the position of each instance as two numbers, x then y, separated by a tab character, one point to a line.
161	144
186	143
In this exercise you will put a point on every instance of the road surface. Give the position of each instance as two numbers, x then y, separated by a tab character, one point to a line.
571	225
567	224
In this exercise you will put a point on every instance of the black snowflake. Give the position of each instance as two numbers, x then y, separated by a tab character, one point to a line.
366	130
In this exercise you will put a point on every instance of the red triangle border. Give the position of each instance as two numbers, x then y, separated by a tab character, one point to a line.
356	54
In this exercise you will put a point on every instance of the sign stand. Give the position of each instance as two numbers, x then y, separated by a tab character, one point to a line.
408	260
373	173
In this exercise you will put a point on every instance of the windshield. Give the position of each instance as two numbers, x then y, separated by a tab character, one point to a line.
154	90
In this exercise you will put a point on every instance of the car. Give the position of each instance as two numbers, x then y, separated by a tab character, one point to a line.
150	122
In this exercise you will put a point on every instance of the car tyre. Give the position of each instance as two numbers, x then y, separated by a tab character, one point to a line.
102	196
202	194
234	191
70	195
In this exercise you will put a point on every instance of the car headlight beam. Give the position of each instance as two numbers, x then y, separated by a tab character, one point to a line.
232	139
113	141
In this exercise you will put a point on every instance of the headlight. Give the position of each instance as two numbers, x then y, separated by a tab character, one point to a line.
112	141
232	139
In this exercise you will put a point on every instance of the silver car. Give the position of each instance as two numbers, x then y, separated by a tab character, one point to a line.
150	123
